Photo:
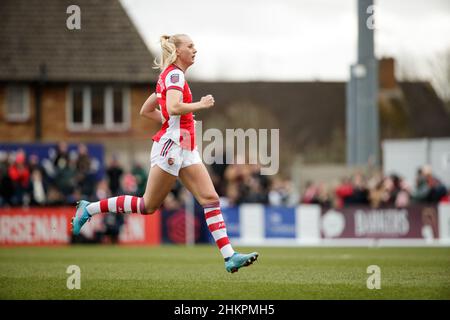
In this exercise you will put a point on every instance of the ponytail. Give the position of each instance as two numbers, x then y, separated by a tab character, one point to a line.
169	46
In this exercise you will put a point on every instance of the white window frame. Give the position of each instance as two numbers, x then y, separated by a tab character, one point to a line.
109	125
84	125
18	117
109	111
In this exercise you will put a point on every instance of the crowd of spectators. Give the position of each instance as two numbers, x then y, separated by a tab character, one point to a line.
66	177
377	190
63	178
243	183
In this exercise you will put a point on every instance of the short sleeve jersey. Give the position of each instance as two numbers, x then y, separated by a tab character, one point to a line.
179	128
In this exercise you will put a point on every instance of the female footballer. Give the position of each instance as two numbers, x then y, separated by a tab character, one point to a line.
174	153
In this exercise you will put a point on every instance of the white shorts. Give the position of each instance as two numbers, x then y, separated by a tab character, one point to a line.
170	157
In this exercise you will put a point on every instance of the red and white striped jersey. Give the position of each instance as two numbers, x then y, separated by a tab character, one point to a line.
179	128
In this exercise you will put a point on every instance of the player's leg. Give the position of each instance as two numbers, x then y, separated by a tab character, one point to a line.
197	180
159	184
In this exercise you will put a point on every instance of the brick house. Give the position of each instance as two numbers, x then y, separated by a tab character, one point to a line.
74	85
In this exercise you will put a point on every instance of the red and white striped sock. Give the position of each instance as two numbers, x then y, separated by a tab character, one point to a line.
217	227
120	204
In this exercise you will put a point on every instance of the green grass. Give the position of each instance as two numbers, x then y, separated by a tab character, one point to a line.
178	272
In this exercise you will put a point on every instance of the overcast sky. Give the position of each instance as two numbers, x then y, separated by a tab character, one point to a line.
292	40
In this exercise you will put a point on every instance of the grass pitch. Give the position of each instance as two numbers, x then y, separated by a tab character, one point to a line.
178	272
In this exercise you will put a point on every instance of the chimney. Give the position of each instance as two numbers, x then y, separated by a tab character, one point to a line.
387	74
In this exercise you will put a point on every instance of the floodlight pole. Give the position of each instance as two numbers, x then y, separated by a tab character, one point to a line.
362	95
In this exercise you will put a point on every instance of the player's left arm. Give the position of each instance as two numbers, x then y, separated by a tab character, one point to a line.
148	109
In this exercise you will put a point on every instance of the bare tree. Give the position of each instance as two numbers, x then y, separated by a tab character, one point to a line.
440	67
438	72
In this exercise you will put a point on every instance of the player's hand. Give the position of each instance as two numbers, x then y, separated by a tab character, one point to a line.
207	101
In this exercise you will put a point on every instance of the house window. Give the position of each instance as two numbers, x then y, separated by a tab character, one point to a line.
98	108
118	111
77	106
17	106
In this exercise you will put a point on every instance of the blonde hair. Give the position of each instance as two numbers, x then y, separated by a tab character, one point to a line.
169	45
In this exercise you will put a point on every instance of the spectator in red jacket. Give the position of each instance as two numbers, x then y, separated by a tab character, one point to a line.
19	174
343	192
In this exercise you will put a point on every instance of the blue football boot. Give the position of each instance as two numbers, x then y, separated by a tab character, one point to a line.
81	216
239	260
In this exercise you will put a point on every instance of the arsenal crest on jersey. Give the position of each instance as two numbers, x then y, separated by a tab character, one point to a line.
174	78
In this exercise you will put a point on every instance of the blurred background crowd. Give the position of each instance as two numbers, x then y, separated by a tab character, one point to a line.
66	177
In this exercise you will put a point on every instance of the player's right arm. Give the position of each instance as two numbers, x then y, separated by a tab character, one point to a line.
175	106
149	110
